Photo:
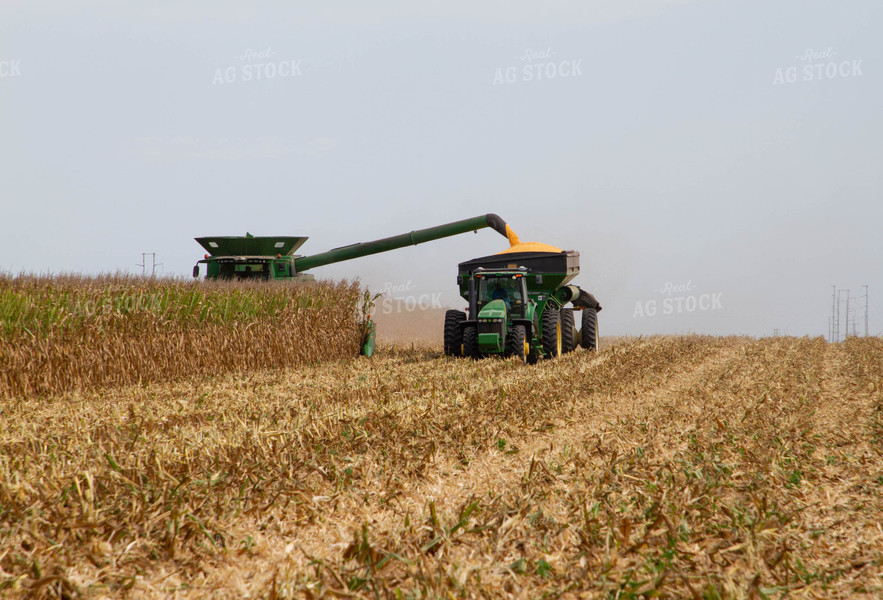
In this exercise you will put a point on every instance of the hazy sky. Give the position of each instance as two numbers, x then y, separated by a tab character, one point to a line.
725	153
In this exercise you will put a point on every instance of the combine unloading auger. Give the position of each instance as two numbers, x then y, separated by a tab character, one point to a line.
267	257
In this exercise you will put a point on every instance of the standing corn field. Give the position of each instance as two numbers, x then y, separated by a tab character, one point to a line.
59	334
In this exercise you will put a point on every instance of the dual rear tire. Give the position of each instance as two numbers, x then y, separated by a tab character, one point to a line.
589	333
568	331
569	337
553	339
454	332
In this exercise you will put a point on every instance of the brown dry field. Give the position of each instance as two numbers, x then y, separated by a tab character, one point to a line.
419	328
682	467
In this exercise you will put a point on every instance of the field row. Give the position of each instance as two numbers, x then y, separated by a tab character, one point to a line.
684	466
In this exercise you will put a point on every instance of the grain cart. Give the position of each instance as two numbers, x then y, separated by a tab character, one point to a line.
518	305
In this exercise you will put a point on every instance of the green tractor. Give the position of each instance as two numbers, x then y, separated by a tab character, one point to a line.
518	306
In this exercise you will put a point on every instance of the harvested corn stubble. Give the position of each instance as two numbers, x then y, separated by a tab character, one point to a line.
671	466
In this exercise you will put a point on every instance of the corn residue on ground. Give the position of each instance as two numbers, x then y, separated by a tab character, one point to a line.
683	467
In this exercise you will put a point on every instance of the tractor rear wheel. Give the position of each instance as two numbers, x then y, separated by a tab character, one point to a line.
470	341
589	333
568	330
552	342
516	343
454	332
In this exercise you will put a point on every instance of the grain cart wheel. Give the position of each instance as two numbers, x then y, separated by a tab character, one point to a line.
568	330
533	356
516	343
470	341
454	332
589	339
552	342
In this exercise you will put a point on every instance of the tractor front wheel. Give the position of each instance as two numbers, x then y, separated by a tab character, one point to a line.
589	333
516	343
470	341
454	332
552	339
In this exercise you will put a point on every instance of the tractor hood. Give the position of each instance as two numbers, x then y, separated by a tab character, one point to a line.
495	309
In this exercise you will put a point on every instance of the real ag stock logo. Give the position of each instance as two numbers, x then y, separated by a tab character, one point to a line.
678	298
397	299
258	65
538	65
818	65
10	68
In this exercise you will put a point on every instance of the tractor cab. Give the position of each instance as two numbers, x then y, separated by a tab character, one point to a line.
508	286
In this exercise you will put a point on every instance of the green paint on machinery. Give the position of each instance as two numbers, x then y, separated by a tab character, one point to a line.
272	257
252	257
518	306
518	299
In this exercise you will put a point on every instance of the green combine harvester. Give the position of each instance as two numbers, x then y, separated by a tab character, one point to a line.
517	297
253	257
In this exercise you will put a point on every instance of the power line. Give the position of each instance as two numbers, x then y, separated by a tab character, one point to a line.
849	320
833	320
153	266
866	310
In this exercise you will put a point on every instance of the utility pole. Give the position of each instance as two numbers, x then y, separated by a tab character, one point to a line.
837	320
153	266
866	311
833	312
